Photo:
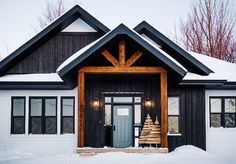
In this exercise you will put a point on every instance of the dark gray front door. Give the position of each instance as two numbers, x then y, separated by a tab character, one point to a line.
122	122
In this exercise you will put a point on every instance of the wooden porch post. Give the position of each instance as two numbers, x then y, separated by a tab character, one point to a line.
164	121
81	109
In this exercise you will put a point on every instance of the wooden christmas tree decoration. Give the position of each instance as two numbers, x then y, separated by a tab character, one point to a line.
151	133
155	134
146	130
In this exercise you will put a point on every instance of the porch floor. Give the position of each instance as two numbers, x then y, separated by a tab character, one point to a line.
147	150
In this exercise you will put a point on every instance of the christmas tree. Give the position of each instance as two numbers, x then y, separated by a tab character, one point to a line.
151	133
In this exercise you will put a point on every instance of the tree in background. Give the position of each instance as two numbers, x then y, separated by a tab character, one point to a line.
209	30
50	13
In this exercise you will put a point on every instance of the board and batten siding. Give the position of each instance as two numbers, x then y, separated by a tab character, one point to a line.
50	55
192	116
220	141
41	144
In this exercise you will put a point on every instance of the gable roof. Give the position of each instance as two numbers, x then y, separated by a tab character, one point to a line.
73	63
175	51
48	32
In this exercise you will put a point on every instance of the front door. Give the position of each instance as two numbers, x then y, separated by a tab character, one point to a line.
122	126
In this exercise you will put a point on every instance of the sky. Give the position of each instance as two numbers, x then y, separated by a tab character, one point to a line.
20	17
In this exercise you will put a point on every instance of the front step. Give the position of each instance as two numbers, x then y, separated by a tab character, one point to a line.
125	150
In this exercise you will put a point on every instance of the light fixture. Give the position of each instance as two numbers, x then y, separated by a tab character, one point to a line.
148	103
95	103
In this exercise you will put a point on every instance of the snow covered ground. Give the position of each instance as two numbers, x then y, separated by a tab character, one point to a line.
184	155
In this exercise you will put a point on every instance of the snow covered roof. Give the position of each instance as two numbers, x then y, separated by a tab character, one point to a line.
222	70
51	77
191	67
52	29
74	61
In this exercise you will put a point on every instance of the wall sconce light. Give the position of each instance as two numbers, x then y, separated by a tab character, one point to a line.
95	103
148	103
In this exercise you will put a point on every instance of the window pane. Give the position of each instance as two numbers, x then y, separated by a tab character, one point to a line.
173	105
215	120
36	107
137	113
108	114
19	126
215	105
230	105
18	107
50	107
123	99
107	99
122	111
36	125
173	124
68	107
229	120
67	125
51	126
137	99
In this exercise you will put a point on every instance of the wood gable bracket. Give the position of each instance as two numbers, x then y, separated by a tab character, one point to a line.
122	56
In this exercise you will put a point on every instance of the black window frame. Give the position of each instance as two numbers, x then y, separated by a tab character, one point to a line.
12	117
223	113
43	117
172	115
67	97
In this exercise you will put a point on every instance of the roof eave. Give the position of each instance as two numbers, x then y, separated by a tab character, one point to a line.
121	29
55	27
147	29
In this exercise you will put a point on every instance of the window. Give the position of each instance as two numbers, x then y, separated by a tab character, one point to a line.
43	115
18	115
67	114
173	115
222	112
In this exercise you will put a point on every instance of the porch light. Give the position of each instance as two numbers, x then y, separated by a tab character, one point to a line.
148	103
95	103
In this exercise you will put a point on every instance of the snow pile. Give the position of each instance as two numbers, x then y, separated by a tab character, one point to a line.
10	155
184	155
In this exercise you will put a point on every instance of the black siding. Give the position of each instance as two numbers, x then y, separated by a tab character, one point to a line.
48	57
192	117
96	84
192	109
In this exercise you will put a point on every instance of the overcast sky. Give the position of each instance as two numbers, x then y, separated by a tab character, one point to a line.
19	17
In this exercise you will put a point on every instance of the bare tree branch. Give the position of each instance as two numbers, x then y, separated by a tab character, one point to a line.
209	30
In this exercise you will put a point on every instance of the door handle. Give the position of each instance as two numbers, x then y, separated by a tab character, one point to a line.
114	127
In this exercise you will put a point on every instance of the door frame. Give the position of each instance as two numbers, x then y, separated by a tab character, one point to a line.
140	94
132	119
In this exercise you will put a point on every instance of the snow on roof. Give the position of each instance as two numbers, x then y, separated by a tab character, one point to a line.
222	70
144	37
50	77
156	46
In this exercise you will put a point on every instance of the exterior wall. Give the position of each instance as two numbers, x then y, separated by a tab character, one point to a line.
192	116
221	141
48	57
43	144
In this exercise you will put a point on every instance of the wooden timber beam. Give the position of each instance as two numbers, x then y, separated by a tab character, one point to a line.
110	58
133	58
81	106
164	120
122	70
122	53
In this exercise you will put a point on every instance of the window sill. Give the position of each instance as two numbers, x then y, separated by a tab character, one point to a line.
176	134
